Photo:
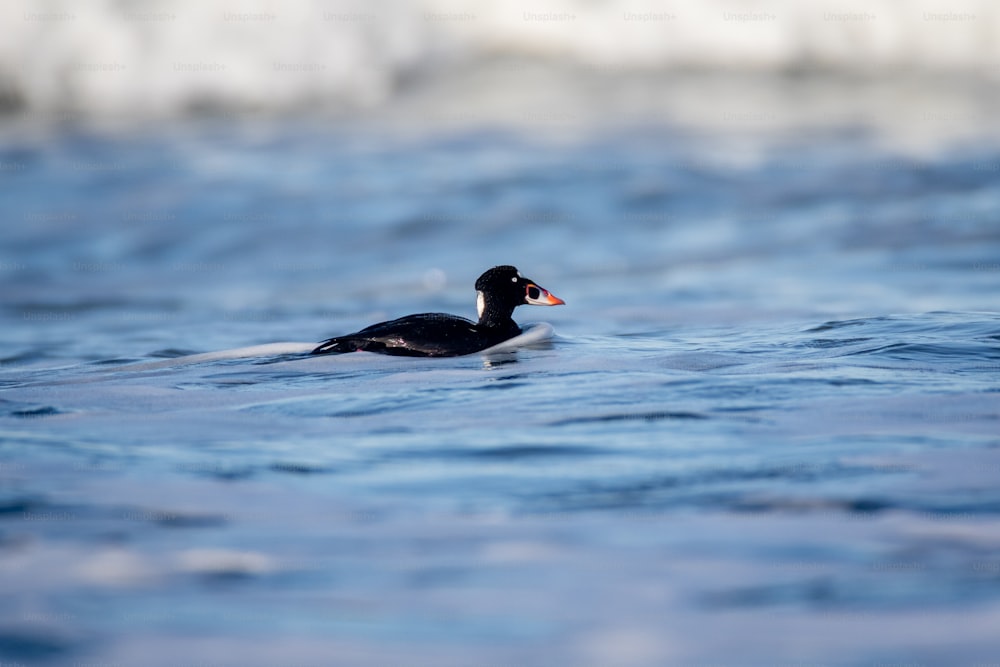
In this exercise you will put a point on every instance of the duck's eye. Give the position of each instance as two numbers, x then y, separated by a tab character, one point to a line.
533	292
514	279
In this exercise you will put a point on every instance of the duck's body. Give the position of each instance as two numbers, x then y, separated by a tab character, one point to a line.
501	289
423	335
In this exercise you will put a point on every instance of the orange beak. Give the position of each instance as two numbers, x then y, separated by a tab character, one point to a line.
538	296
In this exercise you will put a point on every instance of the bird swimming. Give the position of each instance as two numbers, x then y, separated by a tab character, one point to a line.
499	291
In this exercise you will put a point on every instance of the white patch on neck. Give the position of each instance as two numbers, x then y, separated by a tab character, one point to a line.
480	303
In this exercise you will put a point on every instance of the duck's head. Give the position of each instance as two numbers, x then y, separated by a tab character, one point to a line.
502	289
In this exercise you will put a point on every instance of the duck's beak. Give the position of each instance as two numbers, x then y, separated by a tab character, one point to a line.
537	296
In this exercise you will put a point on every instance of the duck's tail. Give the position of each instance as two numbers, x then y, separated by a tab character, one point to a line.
337	346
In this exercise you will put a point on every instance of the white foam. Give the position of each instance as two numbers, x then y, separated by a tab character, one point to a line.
108	57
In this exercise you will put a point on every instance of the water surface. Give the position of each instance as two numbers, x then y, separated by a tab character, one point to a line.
764	432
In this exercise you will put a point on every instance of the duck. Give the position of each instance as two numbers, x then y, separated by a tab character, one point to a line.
499	291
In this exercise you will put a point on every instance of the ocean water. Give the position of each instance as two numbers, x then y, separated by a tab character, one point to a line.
766	429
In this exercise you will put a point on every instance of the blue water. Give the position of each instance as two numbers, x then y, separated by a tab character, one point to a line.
765	431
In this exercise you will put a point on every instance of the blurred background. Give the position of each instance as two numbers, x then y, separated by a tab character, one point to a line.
765	431
154	60
246	155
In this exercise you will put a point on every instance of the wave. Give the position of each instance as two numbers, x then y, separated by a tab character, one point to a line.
532	335
156	58
252	352
960	342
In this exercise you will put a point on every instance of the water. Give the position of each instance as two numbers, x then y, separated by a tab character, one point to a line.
764	432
